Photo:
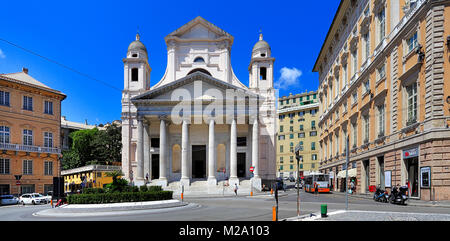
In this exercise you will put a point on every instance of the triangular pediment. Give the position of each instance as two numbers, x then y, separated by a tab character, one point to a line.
199	29
198	86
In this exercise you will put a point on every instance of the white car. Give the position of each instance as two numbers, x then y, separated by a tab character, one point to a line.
32	198
49	197
8	200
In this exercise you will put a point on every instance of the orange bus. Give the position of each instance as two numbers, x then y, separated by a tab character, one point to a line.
322	180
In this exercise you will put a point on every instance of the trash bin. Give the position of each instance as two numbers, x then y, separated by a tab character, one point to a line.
323	210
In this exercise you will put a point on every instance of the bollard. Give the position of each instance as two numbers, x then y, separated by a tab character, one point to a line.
323	210
51	202
251	194
274	213
271	191
182	197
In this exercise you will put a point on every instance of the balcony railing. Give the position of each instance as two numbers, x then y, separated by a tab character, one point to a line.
25	148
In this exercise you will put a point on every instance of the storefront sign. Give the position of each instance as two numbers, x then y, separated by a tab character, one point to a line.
387	179
411	153
425	177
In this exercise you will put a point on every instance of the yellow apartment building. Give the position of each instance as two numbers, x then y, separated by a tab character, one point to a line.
91	176
297	123
382	71
30	116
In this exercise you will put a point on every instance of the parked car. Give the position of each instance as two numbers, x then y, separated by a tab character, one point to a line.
32	198
300	187
8	200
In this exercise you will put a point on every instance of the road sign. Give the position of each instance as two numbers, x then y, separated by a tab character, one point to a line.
18	183
252	169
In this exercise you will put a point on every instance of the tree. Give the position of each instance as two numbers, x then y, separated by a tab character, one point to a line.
94	146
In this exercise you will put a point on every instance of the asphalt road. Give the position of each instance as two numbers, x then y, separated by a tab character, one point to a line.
240	208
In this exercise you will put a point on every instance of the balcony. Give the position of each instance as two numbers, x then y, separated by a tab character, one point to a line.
38	149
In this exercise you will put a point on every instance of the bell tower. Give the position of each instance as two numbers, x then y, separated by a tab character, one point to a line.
261	66
136	67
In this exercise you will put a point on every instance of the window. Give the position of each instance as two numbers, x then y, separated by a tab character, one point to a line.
134	74
291	167
4	166
28	103
281	148
366	38
367	86
4	135
366	128
354	97
337	87
301	127
313	146
355	134
412	42
27	137
27	167
48	107
314	157
412	103
291	136
344	75
313	111
4	98
263	73
291	128
313	133
355	62
281	137
199	60
301	135
281	159
381	120
48	168
337	144
381	72
313	125
291	149
381	25
281	128
48	139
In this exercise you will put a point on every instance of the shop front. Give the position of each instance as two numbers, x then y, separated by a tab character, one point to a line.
411	171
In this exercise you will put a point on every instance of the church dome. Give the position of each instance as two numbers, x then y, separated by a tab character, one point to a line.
137	46
261	45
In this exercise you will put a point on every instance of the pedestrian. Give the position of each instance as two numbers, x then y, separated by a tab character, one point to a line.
235	188
146	178
352	187
316	189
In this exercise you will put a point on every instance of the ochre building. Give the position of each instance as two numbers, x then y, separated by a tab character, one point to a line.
297	126
30	117
382	71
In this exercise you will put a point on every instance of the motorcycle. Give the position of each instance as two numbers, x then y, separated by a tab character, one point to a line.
380	195
399	195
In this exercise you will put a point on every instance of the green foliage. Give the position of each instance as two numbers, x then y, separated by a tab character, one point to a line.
119	197
93	190
143	188
93	147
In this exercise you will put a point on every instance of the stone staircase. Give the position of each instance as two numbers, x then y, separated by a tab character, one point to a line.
201	187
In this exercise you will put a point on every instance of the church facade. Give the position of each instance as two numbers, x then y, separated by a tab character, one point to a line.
198	123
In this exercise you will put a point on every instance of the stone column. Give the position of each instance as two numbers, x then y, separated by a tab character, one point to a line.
256	180
185	178
233	154
211	155
140	152
162	153
147	155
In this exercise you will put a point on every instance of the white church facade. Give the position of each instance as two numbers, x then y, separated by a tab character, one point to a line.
198	123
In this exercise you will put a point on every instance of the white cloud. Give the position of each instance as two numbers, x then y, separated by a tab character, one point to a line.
2	55
289	77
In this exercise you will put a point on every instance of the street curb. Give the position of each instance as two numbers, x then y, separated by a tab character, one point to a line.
92	209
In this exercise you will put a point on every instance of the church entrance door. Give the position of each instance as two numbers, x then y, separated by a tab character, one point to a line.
241	164
199	161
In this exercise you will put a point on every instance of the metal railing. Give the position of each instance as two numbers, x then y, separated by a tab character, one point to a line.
25	148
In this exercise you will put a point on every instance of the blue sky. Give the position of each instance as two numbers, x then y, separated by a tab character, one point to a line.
92	37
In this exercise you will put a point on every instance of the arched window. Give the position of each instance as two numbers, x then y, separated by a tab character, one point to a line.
199	70
199	60
262	73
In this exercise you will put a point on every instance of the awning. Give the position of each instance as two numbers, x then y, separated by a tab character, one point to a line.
351	173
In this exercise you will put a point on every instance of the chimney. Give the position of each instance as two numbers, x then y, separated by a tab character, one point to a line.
25	70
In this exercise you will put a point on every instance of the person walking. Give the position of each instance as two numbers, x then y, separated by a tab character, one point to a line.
316	189
235	188
352	187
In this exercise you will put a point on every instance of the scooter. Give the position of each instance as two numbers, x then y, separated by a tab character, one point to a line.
399	195
380	195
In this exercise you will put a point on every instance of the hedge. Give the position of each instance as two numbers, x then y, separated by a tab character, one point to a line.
118	197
